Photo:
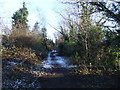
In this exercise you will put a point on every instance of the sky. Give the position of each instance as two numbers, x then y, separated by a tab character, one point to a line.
43	11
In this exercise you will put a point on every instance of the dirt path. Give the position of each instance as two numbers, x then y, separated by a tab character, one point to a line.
54	73
61	77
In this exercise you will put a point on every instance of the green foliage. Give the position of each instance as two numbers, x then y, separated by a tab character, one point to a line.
77	48
114	48
66	48
50	45
88	43
20	17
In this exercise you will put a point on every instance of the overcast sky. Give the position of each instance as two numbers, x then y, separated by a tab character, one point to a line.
37	9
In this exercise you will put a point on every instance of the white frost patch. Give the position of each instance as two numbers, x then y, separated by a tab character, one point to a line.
72	66
12	63
18	82
61	61
49	63
47	66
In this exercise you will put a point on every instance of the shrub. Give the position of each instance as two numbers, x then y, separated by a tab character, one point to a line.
28	40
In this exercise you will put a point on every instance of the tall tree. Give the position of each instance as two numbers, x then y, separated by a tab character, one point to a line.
44	35
20	17
36	28
84	28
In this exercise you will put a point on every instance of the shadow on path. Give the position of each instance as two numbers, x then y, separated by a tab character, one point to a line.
57	75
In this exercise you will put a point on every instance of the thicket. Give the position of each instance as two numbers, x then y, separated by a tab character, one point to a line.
89	43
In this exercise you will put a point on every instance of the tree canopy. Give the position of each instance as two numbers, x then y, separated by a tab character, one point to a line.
112	10
20	17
